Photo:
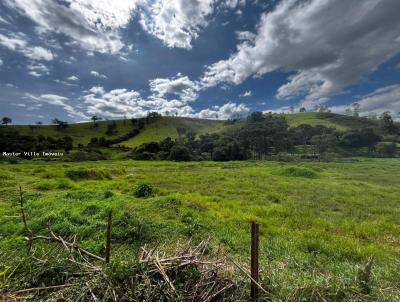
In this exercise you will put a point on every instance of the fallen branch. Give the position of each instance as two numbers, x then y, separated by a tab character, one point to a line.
70	246
34	289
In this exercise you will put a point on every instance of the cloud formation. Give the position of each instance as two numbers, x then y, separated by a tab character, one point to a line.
38	69
246	94
227	111
73	78
19	42
56	100
381	100
180	86
329	45
91	24
124	102
178	22
98	75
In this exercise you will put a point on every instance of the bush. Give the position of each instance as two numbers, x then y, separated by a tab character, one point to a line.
85	156
386	149
143	190
108	194
179	153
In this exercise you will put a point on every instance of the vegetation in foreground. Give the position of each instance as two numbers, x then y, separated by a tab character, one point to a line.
320	222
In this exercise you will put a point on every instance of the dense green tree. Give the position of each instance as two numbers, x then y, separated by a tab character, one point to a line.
95	118
6	120
324	142
264	134
387	124
179	152
67	143
360	138
387	149
111	128
60	125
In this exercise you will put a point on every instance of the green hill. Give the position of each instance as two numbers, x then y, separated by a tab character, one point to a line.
167	127
338	121
81	132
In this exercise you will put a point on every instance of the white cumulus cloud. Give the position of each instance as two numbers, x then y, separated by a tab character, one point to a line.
176	22
180	86
227	111
329	45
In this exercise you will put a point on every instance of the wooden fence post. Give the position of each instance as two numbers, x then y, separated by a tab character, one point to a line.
254	260
22	207
108	242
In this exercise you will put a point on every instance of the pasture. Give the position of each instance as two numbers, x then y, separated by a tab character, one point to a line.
319	222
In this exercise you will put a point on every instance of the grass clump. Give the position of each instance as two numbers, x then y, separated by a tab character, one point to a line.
65	184
87	174
295	171
143	190
45	186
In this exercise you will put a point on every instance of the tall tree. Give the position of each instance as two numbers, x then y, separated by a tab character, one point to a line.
387	124
95	118
6	120
356	109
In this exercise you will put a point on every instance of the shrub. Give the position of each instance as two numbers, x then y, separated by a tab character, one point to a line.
179	153
85	156
81	174
386	149
108	194
143	190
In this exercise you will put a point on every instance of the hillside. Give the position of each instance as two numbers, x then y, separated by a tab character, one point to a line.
167	127
338	121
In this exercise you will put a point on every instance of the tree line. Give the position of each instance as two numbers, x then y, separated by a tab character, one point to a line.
261	135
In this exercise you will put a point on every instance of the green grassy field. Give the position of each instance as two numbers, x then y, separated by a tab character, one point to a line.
320	222
167	127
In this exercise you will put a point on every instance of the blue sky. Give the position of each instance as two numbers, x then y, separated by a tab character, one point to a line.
71	59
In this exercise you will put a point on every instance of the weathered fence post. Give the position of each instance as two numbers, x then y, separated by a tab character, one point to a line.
108	242
21	204
254	260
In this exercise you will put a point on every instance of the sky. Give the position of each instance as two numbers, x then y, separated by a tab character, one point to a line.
216	59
